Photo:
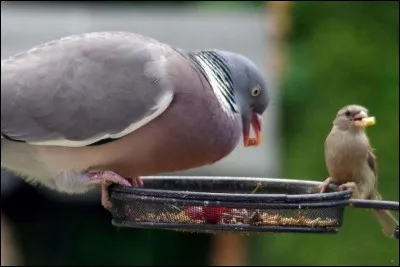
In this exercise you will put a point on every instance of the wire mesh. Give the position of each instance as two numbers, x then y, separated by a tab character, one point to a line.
224	204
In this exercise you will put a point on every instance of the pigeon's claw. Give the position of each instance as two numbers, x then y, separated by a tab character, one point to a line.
106	178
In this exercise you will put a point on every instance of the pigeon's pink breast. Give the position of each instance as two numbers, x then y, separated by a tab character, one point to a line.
192	132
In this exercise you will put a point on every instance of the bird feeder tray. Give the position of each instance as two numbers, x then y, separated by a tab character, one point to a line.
233	204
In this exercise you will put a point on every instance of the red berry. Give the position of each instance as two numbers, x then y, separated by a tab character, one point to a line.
194	212
214	214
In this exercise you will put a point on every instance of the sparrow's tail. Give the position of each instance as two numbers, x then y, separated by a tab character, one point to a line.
387	221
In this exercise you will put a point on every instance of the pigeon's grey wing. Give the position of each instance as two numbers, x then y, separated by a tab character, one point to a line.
81	89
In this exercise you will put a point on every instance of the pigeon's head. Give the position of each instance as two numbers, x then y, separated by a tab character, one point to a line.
353	117
251	94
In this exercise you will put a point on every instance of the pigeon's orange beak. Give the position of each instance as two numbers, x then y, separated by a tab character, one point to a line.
255	122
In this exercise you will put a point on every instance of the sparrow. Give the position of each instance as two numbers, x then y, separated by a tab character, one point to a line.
351	162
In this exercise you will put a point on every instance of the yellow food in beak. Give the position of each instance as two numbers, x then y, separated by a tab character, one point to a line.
365	122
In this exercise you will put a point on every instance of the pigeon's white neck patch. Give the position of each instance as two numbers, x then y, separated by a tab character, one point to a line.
220	79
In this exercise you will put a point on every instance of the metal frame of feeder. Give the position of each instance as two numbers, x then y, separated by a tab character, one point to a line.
122	196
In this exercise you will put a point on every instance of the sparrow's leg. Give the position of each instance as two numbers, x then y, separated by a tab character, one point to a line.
106	178
350	186
325	185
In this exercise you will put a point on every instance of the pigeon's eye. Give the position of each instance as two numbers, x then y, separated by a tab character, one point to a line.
347	113
255	91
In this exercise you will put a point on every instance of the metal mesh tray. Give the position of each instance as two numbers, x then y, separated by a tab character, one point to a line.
228	204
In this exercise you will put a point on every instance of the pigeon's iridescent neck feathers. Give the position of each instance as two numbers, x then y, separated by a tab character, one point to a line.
215	68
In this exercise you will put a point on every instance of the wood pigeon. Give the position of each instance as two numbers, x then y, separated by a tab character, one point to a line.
109	107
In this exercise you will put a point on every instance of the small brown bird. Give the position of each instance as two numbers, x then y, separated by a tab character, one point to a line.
351	162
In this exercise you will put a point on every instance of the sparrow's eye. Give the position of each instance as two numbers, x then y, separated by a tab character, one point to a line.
347	113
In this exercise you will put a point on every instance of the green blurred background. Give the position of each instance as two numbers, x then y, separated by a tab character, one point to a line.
339	53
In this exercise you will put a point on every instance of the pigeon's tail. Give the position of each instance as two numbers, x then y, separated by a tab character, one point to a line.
385	218
4	136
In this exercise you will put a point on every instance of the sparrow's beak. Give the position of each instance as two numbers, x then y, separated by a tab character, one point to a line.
255	122
362	120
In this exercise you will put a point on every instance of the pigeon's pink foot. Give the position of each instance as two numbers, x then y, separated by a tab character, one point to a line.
106	178
324	186
136	182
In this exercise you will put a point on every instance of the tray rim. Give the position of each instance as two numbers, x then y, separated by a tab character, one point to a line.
215	228
120	190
